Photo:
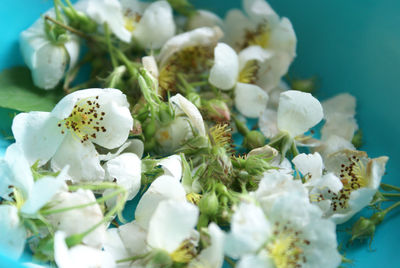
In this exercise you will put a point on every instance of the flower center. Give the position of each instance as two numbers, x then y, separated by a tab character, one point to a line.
85	119
193	198
248	74
286	247
184	253
258	37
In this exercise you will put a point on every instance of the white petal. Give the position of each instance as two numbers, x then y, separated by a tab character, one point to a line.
164	187
250	100
191	111
172	166
106	11
259	11
298	112
133	6
171	224
125	170
268	124
249	230
204	18
171	137
283	40
309	164
212	256
255	261
236	24
225	71
134	238
78	220
272	69
157	16
82	158
113	245
79	256
343	103
42	192
16	171
12	232
253	53
38	135
334	144
199	37
376	169
150	64
339	125
73	49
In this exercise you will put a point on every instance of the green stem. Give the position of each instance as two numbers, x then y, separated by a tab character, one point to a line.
391	194
198	83
58	14
392	207
68	28
134	258
188	88
129	65
392	187
230	262
110	46
240	126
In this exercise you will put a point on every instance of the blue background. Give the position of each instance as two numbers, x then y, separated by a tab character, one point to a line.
352	45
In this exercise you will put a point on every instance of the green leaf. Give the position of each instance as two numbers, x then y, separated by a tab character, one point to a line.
18	92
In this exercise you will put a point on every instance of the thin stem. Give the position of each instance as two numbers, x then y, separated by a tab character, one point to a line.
230	262
110	46
134	258
69	28
392	187
102	186
198	83
391	194
131	68
392	207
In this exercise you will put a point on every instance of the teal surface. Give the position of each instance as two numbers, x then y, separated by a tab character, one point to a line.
352	45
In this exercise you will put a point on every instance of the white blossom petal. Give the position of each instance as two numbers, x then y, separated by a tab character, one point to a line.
253	53
204	18
225	71
343	103
250	100
150	64
171	223
268	123
236	24
134	238
259	11
164	187
82	158
191	111
114	246
339	125
309	164
298	112
172	166
157	15
12	232
38	135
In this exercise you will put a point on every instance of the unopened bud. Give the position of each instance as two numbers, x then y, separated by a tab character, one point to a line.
209	204
255	165
217	110
305	85
378	217
254	139
363	228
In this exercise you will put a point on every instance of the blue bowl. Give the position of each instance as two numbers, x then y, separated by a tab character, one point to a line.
353	46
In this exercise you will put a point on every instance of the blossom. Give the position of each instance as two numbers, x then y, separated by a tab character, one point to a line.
262	27
231	71
284	231
67	135
79	256
48	59
79	220
141	21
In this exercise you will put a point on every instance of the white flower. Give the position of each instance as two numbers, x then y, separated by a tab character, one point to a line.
79	256
297	113
172	166
204	36
204	18
77	221
289	232
213	255
227	73
141	23
66	135
12	232
106	11
47	60
360	176
263	27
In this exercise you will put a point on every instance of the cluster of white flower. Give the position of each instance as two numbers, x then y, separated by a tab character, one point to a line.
161	126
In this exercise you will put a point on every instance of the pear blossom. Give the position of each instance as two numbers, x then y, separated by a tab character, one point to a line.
226	73
262	27
48	59
87	216
67	135
285	230
297	113
204	18
79	256
141	20
360	176
28	198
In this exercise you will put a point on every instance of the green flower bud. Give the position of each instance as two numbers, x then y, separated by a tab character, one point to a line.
203	221
217	110
305	85
221	189
165	114
149	129
378	217
194	98
255	165
254	139
363	228
209	204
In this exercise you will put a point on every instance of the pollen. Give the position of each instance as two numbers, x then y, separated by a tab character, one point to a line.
248	74
258	37
184	253
193	198
85	119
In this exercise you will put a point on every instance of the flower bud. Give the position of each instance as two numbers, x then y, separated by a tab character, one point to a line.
363	228
254	139
255	165
305	85
378	217
217	110
209	204
165	113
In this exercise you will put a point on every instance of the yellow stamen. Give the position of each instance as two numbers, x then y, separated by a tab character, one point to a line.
184	253
193	198
248	74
